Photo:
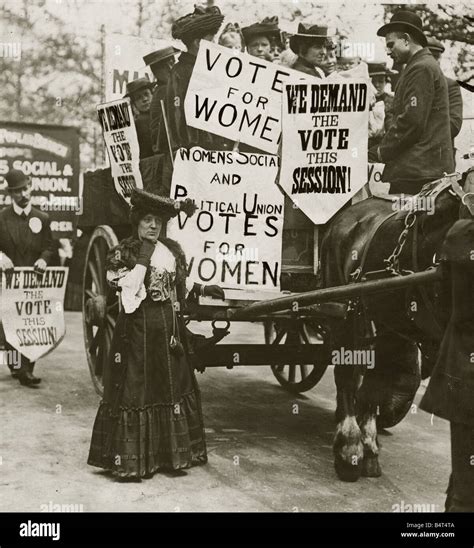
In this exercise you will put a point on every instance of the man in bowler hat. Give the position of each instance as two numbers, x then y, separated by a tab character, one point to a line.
417	147
25	240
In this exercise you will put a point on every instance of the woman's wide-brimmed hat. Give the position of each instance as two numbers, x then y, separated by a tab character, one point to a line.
268	27
198	24
144	202
160	55
16	179
310	33
137	85
405	21
380	69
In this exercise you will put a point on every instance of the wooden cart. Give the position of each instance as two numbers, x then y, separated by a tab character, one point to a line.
295	344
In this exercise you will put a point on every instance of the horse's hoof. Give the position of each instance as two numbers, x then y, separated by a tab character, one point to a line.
371	467
346	471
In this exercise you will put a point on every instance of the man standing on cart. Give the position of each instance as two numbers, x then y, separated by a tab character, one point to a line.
25	240
416	148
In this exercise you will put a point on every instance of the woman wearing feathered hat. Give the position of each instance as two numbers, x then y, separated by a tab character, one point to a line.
202	24
150	417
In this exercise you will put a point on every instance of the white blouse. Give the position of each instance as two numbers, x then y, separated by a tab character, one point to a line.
160	282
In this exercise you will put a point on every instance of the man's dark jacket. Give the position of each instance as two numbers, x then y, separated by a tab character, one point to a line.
181	134
455	106
450	393
20	243
417	146
157	130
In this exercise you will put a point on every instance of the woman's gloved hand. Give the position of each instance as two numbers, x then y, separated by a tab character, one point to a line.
146	251
214	291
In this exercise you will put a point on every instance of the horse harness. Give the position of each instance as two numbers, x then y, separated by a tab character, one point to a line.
392	264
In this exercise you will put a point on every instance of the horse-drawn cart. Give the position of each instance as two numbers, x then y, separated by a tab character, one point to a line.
297	324
295	341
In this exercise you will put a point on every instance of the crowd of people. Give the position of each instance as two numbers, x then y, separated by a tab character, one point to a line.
150	417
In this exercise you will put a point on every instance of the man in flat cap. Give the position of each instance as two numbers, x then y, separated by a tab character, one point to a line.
25	240
202	24
140	93
454	92
417	147
160	62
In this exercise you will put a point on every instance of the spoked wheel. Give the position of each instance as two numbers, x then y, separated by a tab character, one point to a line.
297	378
100	305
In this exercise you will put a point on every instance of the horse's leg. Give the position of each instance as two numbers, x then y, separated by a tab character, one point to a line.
368	428
348	449
396	377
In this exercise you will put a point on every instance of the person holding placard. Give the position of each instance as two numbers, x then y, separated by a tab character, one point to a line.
25	240
202	24
311	44
150	417
160	62
140	92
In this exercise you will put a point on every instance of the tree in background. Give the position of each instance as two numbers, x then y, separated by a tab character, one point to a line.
452	23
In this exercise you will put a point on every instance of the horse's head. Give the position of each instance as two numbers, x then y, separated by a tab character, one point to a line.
467	195
450	199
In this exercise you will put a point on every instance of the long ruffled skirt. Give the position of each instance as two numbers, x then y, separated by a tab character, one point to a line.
150	417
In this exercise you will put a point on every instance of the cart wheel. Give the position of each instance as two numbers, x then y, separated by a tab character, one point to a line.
297	378
100	305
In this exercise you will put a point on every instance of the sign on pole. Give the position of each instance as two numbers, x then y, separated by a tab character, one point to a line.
234	239
237	96
49	155
120	136
32	309
324	144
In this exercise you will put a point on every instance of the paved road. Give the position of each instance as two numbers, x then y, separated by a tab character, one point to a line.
262	455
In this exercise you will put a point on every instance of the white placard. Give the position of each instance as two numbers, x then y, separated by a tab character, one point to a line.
120	136
123	61
235	238
237	96
32	309
324	144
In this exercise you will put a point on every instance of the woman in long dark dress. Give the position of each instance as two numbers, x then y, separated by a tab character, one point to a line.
150	417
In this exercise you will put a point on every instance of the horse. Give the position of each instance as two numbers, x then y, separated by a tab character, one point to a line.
394	325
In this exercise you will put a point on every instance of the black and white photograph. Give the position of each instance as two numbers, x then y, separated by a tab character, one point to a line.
236	267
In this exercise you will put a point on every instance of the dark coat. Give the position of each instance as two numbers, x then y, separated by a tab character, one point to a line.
417	146
450	393
20	243
303	66
157	129
142	124
455	106
181	134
